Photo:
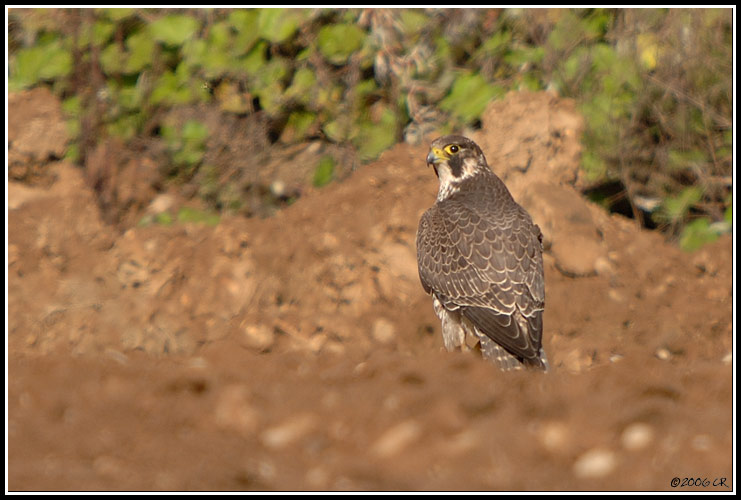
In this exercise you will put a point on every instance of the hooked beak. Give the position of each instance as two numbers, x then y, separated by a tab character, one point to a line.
434	156
431	157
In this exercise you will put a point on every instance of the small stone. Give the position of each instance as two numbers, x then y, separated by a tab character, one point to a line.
615	357
595	463
554	436
663	354
577	360
383	331
278	188
637	436
463	442
603	266
258	337
289	431
616	296
396	439
161	203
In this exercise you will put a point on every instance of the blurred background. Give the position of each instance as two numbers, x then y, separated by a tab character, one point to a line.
221	100
211	266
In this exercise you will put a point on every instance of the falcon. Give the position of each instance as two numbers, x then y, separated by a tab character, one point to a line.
480	256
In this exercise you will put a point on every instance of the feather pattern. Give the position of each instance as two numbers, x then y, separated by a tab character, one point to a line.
480	255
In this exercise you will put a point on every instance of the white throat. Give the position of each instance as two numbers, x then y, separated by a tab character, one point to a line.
449	184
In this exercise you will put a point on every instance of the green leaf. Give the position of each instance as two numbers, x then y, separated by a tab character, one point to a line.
338	42
245	23
194	132
271	98
130	97
496	44
681	160
116	15
254	60
112	59
696	234
324	171
72	106
125	127
298	124
335	130
675	208
141	47
412	21
302	84
469	96
174	29
47	61
177	88
525	55
271	73
278	25
593	165
96	34
188	214
374	138
164	219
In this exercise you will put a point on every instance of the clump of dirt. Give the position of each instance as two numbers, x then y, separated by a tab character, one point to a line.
299	352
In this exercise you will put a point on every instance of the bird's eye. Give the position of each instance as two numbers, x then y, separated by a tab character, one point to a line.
452	148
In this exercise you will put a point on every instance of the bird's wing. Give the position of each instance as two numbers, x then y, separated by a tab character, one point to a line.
489	269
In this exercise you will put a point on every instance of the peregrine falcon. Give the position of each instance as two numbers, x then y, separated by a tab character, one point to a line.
480	256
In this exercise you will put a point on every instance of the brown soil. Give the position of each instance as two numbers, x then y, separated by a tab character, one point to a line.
299	352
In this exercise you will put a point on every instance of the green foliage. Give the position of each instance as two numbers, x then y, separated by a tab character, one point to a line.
373	138
187	146
675	208
195	216
186	215
697	233
278	25
654	85
49	60
324	172
338	42
174	29
469	96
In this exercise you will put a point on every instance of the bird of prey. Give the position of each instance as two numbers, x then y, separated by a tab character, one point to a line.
480	256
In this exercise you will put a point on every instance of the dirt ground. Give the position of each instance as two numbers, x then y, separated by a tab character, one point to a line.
299	351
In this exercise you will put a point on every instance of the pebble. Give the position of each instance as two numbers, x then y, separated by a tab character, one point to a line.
258	337
289	431
396	439
663	354
595	463
637	436
383	331
554	436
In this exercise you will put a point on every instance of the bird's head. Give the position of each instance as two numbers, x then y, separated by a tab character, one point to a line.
455	158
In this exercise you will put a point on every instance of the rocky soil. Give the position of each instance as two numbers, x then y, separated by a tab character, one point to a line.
299	351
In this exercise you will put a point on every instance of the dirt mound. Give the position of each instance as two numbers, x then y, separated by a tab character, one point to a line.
300	352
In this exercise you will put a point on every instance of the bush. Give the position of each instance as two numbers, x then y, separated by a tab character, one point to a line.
654	85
